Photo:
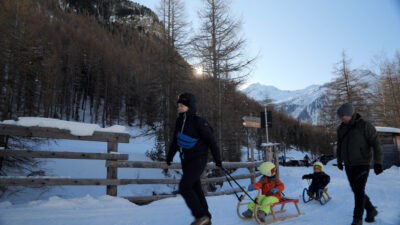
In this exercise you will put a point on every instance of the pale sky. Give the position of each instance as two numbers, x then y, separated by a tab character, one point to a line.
299	42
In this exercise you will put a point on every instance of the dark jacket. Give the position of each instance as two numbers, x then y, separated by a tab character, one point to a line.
319	179
355	141
197	127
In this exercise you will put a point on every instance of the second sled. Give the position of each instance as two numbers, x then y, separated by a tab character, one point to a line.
273	212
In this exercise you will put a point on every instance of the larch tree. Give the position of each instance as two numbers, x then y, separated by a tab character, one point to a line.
220	48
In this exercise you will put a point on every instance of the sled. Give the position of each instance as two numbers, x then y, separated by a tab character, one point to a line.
274	213
324	196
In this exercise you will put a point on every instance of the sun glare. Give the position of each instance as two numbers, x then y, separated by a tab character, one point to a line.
199	70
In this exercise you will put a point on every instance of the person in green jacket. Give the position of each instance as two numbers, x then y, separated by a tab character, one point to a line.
357	143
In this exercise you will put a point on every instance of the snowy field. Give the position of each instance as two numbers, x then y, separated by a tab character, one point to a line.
85	205
383	190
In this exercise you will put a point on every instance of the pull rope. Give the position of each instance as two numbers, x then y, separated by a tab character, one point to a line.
233	179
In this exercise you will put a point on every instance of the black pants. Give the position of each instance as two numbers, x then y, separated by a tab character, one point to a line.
357	176
190	187
313	188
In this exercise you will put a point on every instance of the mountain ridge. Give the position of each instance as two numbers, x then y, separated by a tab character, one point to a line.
304	104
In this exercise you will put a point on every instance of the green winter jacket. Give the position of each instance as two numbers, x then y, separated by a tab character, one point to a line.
356	141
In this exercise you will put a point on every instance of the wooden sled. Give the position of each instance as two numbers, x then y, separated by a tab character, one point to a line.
274	213
324	196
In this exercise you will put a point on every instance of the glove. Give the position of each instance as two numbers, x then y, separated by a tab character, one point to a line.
274	190
340	166
218	163
168	163
303	177
251	187
378	169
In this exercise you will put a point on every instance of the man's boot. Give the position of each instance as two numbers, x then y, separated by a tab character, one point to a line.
356	222
204	220
371	215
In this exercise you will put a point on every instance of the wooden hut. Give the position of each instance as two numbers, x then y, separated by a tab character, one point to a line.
390	140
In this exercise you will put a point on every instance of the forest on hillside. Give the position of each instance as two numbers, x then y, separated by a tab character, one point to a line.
95	61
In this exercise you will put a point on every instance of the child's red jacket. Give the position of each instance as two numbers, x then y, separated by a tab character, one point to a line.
267	183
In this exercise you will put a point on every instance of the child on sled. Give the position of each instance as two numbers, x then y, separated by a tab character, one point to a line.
319	180
271	188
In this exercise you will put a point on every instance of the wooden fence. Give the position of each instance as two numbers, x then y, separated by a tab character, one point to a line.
113	161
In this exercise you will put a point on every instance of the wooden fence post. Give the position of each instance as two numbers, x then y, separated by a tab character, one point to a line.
112	172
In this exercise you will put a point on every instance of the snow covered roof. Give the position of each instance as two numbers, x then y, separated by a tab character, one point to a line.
388	130
75	128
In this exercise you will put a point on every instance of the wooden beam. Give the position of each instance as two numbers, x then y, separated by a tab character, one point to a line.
48	132
236	177
28	181
147	199
163	165
55	181
37	181
62	155
112	172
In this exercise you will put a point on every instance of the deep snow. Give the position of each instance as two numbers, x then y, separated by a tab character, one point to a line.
383	191
89	205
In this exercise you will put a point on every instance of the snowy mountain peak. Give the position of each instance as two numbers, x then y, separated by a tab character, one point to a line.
304	104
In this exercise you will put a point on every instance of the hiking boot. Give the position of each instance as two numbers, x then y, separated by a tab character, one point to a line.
248	213
371	215
204	220
357	222
261	215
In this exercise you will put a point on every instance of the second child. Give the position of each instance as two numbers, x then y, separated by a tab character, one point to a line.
319	180
271	188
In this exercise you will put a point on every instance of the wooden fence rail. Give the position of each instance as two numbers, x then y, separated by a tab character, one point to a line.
56	181
62	155
113	161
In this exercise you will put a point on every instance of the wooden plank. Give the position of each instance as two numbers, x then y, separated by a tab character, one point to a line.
54	181
48	132
62	155
12	181
147	199
37	181
236	177
163	165
112	172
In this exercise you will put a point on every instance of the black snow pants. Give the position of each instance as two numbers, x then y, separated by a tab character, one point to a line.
357	176
190	187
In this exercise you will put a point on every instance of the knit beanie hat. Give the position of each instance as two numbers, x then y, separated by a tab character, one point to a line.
184	99
345	110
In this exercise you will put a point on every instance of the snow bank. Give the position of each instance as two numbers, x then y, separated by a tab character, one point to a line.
105	210
76	128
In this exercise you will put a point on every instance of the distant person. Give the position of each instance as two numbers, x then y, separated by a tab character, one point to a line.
319	180
192	138
355	139
271	188
306	160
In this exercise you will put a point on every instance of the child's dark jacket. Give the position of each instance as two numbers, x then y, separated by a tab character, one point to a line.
319	179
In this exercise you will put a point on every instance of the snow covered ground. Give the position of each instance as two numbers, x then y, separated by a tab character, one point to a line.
88	204
383	190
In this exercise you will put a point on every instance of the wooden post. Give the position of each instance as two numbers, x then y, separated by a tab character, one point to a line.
276	157
252	169
112	172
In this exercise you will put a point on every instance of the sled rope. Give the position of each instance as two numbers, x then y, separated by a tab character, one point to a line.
227	178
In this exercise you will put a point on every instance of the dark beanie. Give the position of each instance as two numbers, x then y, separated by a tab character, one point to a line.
345	110
184	99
